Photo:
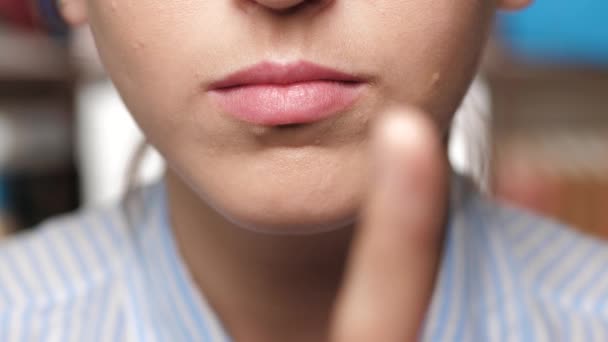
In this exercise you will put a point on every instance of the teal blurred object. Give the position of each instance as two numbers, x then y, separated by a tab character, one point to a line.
3	194
562	32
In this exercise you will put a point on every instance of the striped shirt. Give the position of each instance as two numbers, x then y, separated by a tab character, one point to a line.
116	275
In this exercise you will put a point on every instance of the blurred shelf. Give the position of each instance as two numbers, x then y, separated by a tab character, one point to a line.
544	98
499	63
32	57
37	86
550	137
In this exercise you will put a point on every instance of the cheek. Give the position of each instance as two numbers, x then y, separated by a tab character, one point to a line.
147	49
433	58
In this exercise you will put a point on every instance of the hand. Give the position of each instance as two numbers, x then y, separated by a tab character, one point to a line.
394	258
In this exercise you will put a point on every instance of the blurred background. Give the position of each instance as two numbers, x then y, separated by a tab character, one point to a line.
533	130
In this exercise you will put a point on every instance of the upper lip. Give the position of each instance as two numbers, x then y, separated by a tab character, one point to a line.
282	74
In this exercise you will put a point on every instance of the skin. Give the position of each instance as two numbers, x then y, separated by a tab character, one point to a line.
269	213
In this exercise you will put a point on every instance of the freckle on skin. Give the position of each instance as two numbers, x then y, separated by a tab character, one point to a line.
435	78
138	45
434	81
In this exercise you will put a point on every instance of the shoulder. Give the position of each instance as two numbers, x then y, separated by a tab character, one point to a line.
526	235
77	276
73	255
62	258
529	272
543	251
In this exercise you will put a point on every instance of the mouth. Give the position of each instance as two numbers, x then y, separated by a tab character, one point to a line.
286	95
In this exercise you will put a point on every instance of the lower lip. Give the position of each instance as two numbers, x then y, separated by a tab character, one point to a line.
299	103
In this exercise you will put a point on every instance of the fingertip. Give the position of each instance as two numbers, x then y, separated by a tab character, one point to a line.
409	166
405	132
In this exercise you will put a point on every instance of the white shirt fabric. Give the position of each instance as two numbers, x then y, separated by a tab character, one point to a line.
505	275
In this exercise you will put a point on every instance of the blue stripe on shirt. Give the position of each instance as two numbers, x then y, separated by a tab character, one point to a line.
106	275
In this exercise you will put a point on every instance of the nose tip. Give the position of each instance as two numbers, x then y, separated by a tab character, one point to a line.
280	5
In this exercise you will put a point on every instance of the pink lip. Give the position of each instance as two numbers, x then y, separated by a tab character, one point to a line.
274	94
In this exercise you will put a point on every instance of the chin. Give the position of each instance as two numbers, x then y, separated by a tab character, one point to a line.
291	217
295	225
303	190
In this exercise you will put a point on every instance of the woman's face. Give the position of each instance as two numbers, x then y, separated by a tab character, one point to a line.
164	56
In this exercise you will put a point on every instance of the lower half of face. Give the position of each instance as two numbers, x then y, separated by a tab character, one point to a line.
311	174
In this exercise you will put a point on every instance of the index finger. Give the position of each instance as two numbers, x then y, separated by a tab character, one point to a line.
394	257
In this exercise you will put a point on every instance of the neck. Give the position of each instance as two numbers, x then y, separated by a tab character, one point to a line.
263	287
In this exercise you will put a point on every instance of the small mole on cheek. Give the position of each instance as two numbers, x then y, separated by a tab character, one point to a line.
138	45
113	6
434	81
435	78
